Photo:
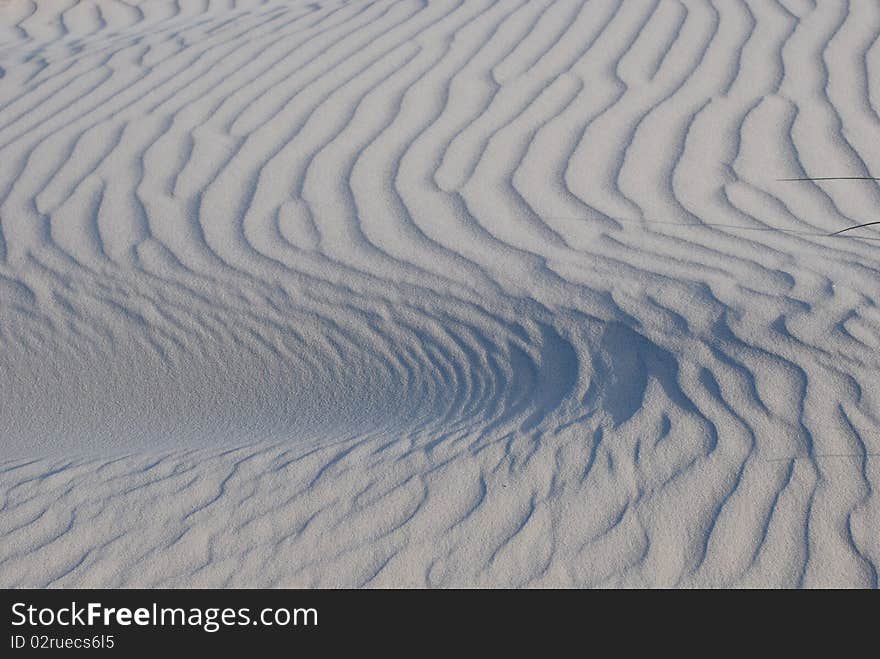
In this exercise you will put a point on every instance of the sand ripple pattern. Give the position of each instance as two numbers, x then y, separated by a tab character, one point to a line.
439	293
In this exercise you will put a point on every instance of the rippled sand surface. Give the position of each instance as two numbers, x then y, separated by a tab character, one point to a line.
439	293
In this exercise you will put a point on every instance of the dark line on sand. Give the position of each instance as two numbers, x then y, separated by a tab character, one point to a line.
858	226
822	456
832	178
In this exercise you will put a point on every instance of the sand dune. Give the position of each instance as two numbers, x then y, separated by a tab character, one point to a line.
439	293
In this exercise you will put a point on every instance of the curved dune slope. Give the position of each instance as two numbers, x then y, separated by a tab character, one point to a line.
439	293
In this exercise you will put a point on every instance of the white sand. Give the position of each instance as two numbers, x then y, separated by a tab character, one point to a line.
435	294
